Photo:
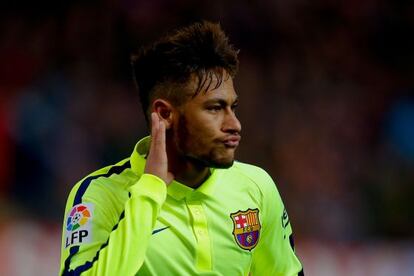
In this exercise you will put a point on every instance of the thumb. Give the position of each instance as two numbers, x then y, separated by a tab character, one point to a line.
170	178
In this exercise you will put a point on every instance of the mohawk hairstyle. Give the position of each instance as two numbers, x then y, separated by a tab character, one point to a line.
164	68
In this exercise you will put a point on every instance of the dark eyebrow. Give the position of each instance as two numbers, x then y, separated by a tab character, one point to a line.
220	101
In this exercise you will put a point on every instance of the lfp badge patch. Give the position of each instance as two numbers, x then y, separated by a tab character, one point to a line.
246	228
78	228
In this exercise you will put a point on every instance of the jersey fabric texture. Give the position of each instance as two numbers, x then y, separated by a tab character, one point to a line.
120	221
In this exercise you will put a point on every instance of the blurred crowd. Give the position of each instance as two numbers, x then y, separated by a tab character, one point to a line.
326	92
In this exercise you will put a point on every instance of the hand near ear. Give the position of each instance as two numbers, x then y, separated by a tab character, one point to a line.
164	110
157	161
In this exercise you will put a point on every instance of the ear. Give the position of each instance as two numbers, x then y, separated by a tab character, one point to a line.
164	109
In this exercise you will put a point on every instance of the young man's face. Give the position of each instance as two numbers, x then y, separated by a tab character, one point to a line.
207	130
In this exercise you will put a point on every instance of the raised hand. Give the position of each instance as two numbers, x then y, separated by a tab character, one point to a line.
157	161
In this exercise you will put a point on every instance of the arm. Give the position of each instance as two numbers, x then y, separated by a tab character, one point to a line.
275	253
117	247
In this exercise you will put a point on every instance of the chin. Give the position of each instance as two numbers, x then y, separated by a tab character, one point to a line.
221	164
212	162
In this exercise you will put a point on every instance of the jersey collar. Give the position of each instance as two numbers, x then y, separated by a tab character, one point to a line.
176	189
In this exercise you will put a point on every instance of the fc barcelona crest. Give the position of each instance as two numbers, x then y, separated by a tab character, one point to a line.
246	228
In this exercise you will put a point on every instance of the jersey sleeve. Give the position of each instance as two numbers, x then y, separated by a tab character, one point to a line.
275	253
113	238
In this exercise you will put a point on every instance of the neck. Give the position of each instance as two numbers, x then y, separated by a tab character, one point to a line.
190	175
186	171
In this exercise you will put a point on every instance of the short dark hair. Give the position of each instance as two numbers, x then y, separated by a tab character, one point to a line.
164	68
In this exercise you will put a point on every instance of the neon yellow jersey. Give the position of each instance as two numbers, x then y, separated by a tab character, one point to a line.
119	221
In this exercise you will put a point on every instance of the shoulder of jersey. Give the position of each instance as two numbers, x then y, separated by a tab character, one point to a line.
255	173
114	174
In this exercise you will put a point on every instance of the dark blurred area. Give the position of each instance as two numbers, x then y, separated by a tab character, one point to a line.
327	106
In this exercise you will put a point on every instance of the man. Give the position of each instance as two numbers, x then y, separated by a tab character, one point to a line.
180	205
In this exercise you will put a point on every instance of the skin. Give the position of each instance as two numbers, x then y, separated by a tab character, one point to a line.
199	134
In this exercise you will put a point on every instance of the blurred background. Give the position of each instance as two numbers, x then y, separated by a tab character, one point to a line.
327	108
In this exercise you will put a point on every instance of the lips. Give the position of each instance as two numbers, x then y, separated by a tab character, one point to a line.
232	141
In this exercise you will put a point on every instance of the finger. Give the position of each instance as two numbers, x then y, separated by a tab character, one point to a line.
154	129
158	133
161	138
154	123
170	177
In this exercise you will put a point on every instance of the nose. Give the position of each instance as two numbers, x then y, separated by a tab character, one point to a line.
231	123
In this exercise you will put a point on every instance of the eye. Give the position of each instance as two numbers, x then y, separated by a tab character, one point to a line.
214	108
234	107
